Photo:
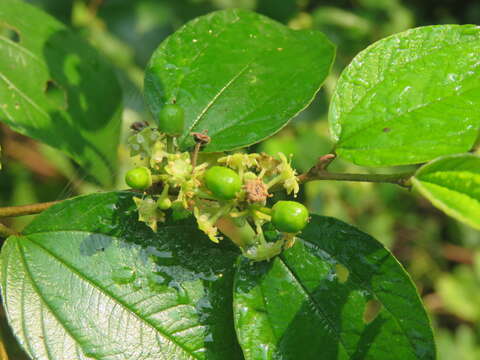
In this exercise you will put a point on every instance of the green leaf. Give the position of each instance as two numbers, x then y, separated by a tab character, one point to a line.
452	184
409	98
57	89
337	294
238	75
88	280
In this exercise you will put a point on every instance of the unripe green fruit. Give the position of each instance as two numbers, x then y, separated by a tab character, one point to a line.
289	216
223	182
139	178
171	120
164	203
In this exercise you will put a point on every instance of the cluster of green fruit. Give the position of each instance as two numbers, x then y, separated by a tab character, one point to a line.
226	194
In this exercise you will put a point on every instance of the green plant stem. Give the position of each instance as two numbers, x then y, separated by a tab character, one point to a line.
25	209
170	146
242	236
401	179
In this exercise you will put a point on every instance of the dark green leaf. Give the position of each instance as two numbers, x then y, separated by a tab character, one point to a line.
55	88
88	280
410	97
452	184
237	74
337	294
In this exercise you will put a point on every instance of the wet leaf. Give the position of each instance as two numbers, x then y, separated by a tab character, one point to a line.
337	294
88	280
57	89
410	97
238	75
452	184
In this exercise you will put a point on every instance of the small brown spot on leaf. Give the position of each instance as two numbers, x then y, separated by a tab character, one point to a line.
342	273
385	130
372	309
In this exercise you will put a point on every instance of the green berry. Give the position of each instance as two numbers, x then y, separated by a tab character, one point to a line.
171	120
164	203
223	182
139	178
289	216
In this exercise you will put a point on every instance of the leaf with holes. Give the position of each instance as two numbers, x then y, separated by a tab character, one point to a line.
57	89
452	184
337	294
88	280
410	97
238	75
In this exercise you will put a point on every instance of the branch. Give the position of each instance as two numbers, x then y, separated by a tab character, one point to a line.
319	172
25	209
5	232
398	179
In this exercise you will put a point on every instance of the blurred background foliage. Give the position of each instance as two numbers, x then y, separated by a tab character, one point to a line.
439	253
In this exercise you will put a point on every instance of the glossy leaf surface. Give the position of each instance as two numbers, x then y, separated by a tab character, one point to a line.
337	294
238	75
409	98
57	89
88	280
452	184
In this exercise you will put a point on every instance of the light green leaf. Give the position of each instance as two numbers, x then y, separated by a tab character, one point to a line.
409	98
238	75
56	89
337	294
452	184
88	280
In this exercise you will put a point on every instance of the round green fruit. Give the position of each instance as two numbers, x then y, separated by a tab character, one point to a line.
171	120
164	203
223	182
289	216
139	178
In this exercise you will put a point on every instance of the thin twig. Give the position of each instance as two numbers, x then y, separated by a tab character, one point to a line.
201	139
5	231
196	150
319	172
398	179
26	209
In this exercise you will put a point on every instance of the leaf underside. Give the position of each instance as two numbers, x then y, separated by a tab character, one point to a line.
452	183
88	280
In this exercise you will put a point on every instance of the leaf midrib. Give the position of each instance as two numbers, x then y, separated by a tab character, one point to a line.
105	292
405	114
317	305
40	296
367	286
447	189
340	120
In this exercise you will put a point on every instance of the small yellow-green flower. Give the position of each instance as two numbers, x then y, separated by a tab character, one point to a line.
264	251
288	175
179	167
207	224
240	161
148	212
158	153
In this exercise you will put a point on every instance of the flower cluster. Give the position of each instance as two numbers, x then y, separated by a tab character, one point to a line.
227	195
